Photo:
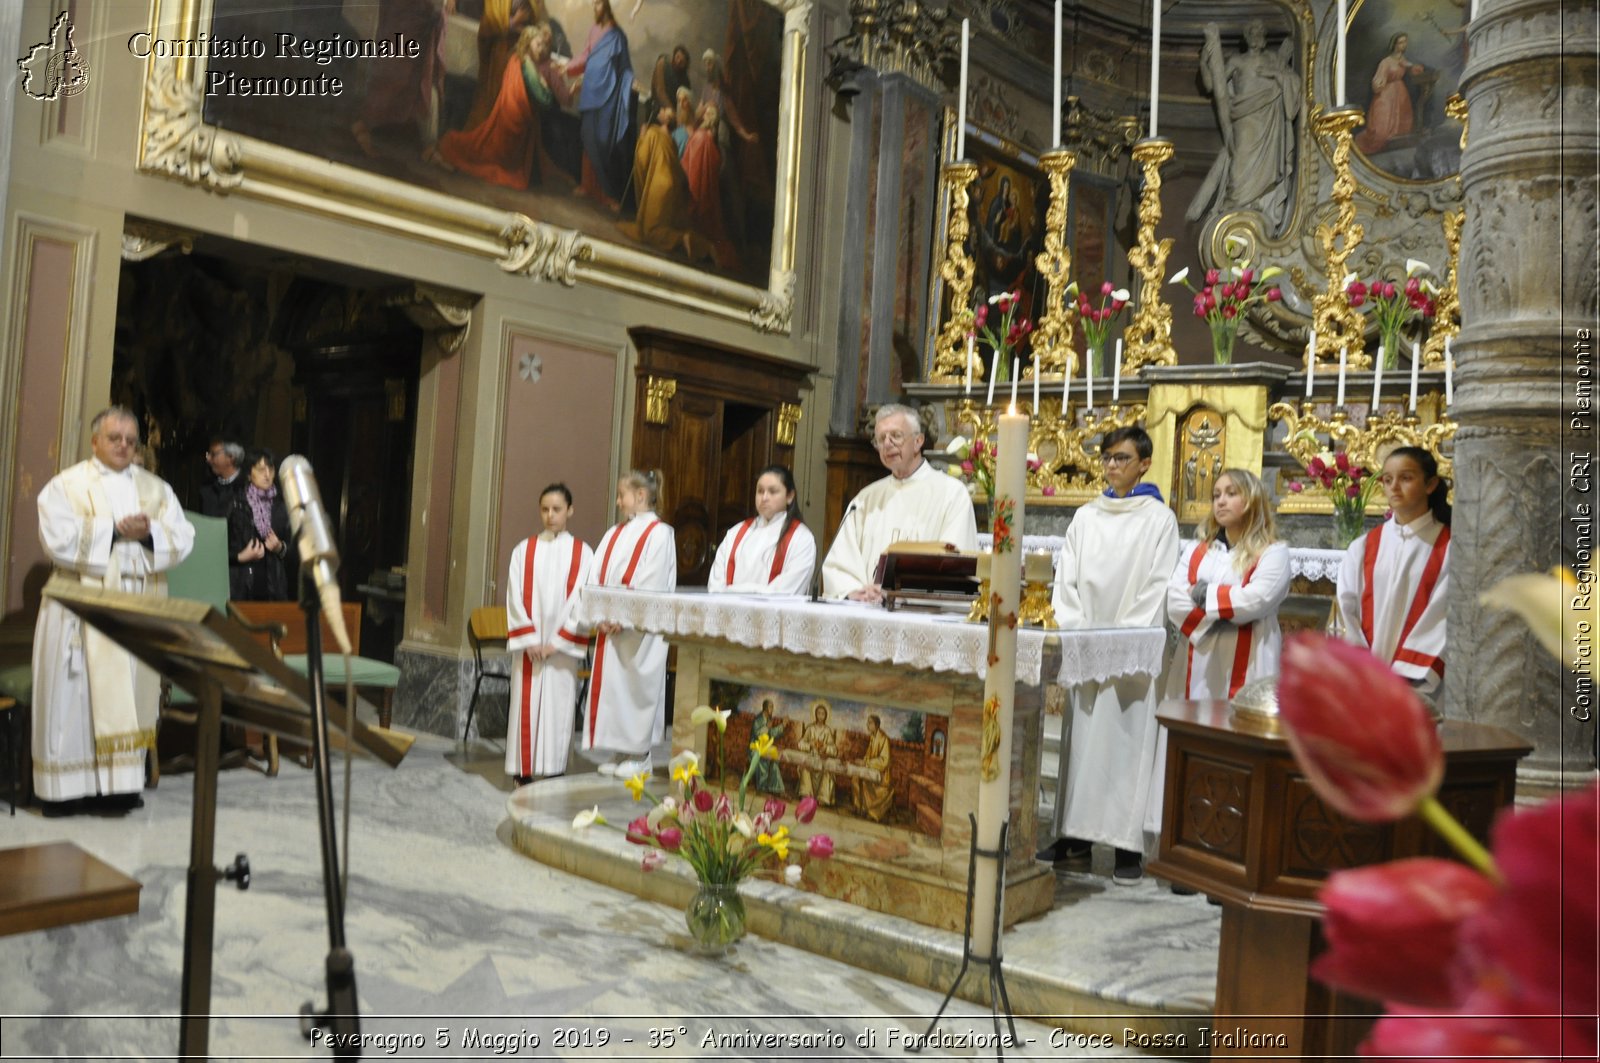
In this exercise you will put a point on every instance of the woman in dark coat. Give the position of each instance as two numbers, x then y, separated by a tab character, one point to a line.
258	535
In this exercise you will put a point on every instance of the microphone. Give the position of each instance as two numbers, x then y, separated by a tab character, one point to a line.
309	520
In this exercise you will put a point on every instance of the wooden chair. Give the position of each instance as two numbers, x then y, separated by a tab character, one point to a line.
487	627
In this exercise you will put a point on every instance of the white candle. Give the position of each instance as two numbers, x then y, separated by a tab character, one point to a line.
1449	373
1343	358
1036	385
1000	682
1055	109
1155	61
1088	380
1377	383
967	391
1066	385
1474	12
1116	372
994	371
1016	369
1416	362
1338	59
961	95
1311	361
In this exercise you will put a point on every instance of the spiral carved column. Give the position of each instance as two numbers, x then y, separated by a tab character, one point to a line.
1528	311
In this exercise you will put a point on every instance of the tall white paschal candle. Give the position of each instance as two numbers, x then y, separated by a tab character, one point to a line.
1055	99
1155	61
1344	357
1338	57
1416	363
961	95
1377	382
1000	683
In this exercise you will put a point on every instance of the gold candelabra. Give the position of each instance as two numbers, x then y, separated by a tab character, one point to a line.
1447	313
1336	324
1149	335
1365	445
1062	441
1038	607
1052	339
950	362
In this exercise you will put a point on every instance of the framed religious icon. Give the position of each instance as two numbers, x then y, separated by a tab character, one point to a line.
1405	62
648	147
1089	229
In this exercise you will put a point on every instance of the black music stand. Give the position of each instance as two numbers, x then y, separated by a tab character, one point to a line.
231	676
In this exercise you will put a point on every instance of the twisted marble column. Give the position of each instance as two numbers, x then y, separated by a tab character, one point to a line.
1528	300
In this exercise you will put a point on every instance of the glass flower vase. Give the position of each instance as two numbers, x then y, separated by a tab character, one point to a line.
716	917
1348	523
1222	339
1391	349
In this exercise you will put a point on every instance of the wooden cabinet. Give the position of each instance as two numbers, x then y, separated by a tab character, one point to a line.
710	418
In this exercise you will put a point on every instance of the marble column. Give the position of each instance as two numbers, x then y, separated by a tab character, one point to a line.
1524	359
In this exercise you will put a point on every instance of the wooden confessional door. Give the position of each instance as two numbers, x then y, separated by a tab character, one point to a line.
710	418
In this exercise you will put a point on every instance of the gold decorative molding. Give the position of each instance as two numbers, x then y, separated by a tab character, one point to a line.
144	240
1148	337
776	309
1308	434
788	421
1052	340
658	394
1447	311
543	251
441	312
950	349
176	140
899	36
1337	325
1069	470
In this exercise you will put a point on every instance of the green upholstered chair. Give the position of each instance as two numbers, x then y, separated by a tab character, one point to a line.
202	577
289	641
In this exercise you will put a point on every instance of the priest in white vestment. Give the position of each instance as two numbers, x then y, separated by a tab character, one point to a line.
773	552
915	503
1394	582
1112	572
625	712
546	655
105	523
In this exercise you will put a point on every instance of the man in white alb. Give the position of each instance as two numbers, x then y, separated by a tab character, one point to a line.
105	523
915	502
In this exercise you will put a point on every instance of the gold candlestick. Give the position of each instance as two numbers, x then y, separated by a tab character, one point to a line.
950	349
1038	606
1447	311
1052	339
1336	323
1149	337
1364	445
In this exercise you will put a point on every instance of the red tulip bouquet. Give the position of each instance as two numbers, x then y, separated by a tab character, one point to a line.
1228	293
1351	487
1493	957
1008	337
1097	321
1393	306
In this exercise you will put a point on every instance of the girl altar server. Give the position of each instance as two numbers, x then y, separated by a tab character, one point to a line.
1394	581
771	553
626	711
1225	592
546	572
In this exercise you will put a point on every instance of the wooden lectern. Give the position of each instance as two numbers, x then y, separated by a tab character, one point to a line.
1240	823
233	677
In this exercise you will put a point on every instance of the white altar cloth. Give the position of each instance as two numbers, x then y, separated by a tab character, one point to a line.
837	630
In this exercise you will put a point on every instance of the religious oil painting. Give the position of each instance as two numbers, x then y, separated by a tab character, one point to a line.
651	124
869	762
1405	62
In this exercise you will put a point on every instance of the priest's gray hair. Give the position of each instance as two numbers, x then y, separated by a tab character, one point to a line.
890	409
113	413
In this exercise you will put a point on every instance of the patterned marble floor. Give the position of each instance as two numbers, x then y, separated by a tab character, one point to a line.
451	930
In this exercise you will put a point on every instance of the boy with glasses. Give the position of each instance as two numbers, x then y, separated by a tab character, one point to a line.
1112	572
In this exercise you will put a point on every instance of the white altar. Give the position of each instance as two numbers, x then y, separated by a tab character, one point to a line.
820	677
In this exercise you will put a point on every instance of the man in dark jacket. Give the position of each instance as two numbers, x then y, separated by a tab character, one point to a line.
217	496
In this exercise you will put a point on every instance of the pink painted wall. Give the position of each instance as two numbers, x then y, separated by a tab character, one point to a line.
557	427
46	331
436	588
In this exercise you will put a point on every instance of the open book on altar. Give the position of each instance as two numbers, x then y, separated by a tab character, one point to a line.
927	574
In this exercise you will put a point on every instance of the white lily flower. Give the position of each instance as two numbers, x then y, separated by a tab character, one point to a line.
993	299
1180	276
1072	290
744	825
1551	605
793	873
956	445
666	809
587	818
1234	244
1429	287
1348	277
1415	266
1032	456
704	714
1121	294
1271	272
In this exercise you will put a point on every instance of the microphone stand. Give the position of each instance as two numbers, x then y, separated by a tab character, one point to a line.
343	1018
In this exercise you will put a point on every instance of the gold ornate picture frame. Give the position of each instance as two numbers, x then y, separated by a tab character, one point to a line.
176	141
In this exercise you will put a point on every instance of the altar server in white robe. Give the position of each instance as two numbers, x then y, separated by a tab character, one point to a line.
626	710
915	503
772	552
1223	598
106	523
1112	572
546	654
1394	581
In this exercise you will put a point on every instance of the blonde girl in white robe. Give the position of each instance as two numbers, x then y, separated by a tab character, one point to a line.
546	655
1395	579
771	553
625	712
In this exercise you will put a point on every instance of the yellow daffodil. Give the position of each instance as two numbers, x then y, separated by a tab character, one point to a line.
587	818
1558	608
777	841
636	785
764	747
685	772
705	714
